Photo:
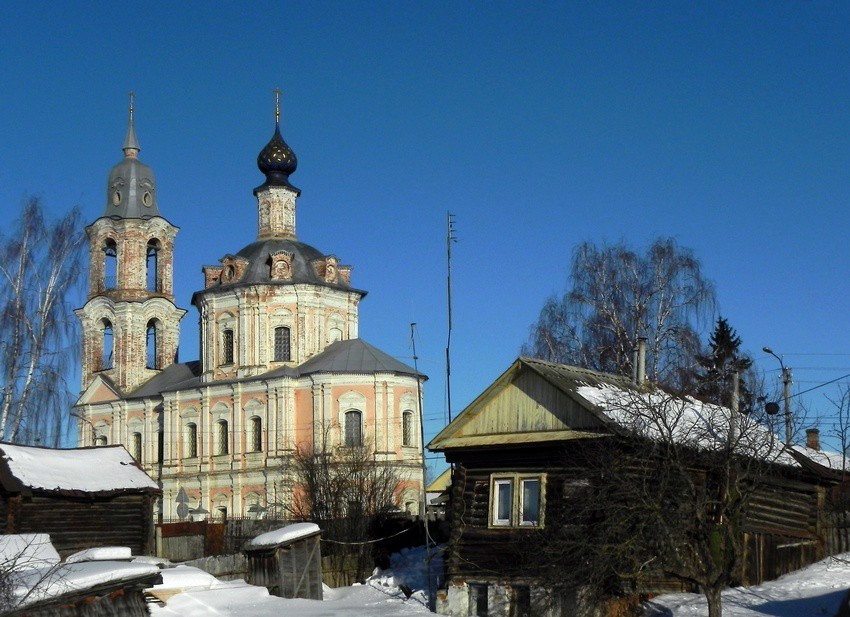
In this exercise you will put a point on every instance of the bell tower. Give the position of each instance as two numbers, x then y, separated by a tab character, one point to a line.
130	323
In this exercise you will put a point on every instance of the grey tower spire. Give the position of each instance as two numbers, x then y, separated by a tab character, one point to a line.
131	187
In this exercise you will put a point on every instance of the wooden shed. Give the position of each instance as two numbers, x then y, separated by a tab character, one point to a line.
287	561
81	497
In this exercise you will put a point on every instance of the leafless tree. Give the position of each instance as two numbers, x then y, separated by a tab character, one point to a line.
616	295
40	270
665	497
344	490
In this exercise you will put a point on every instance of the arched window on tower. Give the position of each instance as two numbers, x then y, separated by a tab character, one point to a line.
353	428
152	344
110	265
154	281
282	349
107	346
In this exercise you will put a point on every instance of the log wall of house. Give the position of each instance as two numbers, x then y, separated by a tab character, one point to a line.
782	529
76	523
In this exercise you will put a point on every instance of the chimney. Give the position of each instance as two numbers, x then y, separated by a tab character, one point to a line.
813	438
641	363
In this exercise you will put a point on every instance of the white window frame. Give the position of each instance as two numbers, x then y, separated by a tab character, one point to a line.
516	482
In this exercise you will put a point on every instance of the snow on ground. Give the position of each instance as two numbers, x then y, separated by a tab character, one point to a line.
380	596
813	591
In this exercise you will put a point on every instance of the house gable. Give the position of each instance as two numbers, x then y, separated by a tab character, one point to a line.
522	406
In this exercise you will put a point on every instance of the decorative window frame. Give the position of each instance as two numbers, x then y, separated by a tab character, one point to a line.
282	318
226	321
189	416
351	401
515	481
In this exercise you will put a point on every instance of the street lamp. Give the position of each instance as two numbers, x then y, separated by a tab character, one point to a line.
786	393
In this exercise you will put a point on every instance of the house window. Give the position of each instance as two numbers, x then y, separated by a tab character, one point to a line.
191	440
222	437
502	508
281	344
136	445
478	599
516	500
353	428
407	428
256	434
227	347
529	504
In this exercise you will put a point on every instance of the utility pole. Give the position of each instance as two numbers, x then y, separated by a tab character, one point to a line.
786	392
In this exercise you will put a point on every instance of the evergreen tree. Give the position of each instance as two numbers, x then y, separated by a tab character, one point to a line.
714	379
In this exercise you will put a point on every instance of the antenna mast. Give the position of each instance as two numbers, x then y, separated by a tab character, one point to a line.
450	237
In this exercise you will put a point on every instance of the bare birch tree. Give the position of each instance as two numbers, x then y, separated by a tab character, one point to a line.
40	270
616	295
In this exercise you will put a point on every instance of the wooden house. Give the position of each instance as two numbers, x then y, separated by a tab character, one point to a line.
518	450
82	497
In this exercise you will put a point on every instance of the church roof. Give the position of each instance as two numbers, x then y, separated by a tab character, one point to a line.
259	255
173	377
355	356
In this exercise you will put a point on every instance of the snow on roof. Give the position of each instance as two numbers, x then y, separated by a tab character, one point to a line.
26	550
37	584
283	535
659	415
825	458
87	470
101	553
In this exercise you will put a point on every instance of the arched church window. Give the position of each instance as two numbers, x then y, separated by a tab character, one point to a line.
136	446
256	434
223	436
282	349
107	345
110	264
227	346
154	281
353	428
407	428
191	450
100	440
152	344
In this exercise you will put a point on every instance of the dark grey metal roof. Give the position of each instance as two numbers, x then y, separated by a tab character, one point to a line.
259	255
131	186
174	377
355	356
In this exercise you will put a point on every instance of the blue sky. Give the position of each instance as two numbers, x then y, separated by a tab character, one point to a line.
539	125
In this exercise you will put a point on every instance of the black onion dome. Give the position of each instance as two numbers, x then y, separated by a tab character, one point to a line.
277	161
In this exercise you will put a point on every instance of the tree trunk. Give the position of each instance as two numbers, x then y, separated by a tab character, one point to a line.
715	607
